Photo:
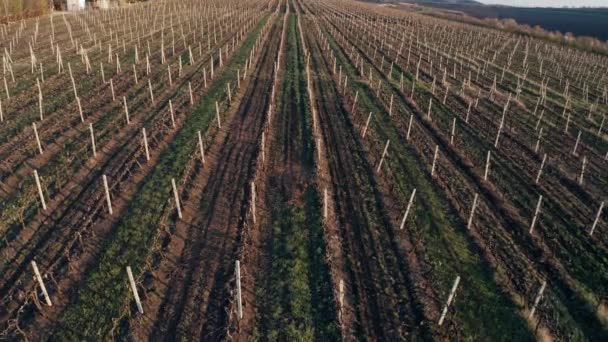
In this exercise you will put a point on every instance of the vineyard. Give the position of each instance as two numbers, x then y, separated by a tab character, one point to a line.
293	170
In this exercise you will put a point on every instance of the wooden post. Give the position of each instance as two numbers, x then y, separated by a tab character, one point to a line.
580	177
134	290
540	170
597	218
434	160
449	301
253	211
143	130
341	294
217	113
176	195
369	117
37	137
470	222
39	189
80	109
536	212
487	171
93	140
124	100
200	144
239	300
383	155
537	299
47	299
407	209
105	185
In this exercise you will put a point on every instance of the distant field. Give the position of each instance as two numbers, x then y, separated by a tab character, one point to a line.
581	22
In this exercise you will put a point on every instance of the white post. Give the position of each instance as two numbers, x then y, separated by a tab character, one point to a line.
597	218
369	117
540	199
151	93
470	222
172	113
453	131
37	137
325	203
253	201
176	195
112	89
217	113
434	160
93	140
407	210
239	301
124	100
105	185
143	130
540	133
200	144
428	112
409	127
538	297
41	283
540	170
39	189
580	177
449	301
134	289
190	91
487	171
383	155
578	138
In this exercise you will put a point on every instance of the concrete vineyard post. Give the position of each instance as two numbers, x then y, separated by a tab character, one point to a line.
325	203
151	93
37	137
191	96
112	89
93	140
487	170
229	93
449	301
383	155
355	102
80	109
578	138
428	112
407	209
239	300
409	127
369	117
263	147
134	290
390	108
453	131
470	221
47	299
171	113
341	294
536	147
253	211
597	218
107	190
582	174
37	179
434	160
176	196
124	100
536	212
146	149
539	295
540	169
217	113
200	144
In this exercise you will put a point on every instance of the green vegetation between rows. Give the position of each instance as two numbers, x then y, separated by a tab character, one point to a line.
296	299
102	295
482	311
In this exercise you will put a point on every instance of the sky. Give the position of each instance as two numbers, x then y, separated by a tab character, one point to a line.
549	3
